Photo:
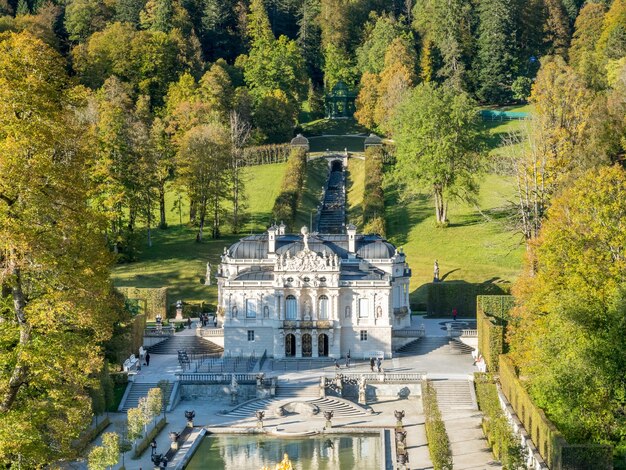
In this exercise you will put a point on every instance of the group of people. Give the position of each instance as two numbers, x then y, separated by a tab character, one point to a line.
376	362
204	320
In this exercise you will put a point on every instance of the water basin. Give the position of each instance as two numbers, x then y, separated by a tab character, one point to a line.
251	452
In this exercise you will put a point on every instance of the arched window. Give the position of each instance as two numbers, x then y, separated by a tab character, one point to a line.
291	307
323	307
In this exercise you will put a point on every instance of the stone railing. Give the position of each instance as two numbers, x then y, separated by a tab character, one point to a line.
400	311
470	333
163	331
410	333
384	377
204	378
209	332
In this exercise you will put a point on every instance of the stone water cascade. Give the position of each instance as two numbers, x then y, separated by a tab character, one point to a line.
332	215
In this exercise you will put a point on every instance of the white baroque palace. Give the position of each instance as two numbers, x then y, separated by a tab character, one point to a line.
319	295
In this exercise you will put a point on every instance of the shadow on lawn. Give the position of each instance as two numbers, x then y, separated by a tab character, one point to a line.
441	297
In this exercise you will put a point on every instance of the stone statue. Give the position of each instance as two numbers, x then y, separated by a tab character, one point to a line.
234	389
307	310
436	272
207	277
362	400
305	237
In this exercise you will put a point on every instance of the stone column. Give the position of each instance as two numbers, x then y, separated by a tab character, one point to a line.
335	313
314	345
298	344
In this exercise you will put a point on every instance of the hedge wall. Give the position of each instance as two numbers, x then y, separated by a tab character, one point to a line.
286	203
497	306
492	314
438	441
490	340
442	297
504	444
373	197
558	454
154	300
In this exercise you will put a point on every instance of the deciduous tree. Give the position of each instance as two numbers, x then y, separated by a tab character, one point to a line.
57	301
439	144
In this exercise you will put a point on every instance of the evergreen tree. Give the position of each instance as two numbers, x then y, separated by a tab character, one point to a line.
379	35
496	61
22	8
127	11
582	53
157	15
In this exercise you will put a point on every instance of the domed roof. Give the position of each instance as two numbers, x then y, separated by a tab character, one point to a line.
374	247
253	247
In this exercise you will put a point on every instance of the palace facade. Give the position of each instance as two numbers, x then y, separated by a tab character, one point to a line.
312	295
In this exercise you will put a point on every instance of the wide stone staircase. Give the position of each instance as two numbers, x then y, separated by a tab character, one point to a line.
434	344
190	343
332	215
340	407
297	389
455	395
140	390
285	365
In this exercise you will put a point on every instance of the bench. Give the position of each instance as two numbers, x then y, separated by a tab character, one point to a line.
131	363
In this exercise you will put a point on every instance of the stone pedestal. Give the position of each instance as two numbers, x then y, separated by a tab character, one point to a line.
179	313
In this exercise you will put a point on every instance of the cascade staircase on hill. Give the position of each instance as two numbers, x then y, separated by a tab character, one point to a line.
190	343
434	344
140	390
332	215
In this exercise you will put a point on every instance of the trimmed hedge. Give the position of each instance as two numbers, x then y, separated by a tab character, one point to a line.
145	442
492	314
442	297
490	340
286	203
80	444
373	197
154	300
504	444
438	441
558	454
263	154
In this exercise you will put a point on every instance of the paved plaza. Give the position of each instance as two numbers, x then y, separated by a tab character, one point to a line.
443	365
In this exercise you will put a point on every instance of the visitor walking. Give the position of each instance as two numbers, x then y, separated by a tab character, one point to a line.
215	321
153	446
379	363
189	322
337	366
454	314
147	359
348	359
372	364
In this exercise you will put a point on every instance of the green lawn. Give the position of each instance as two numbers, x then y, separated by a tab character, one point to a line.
177	261
474	248
316	176
355	188
262	187
333	127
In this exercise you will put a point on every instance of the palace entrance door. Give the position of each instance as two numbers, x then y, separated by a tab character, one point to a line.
307	346
322	345
290	345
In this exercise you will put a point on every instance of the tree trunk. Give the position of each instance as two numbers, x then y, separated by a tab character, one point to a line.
236	198
162	221
441	206
20	370
216	218
192	211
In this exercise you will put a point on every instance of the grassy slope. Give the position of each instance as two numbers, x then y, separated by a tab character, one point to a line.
475	248
356	185
316	176
177	261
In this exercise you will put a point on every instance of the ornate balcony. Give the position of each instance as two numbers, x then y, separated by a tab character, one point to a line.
308	324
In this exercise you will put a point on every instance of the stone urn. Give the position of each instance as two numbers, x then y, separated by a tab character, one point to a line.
174	438
399	417
329	416
190	415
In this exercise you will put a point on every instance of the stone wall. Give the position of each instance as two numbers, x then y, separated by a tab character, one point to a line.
376	391
219	392
378	339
